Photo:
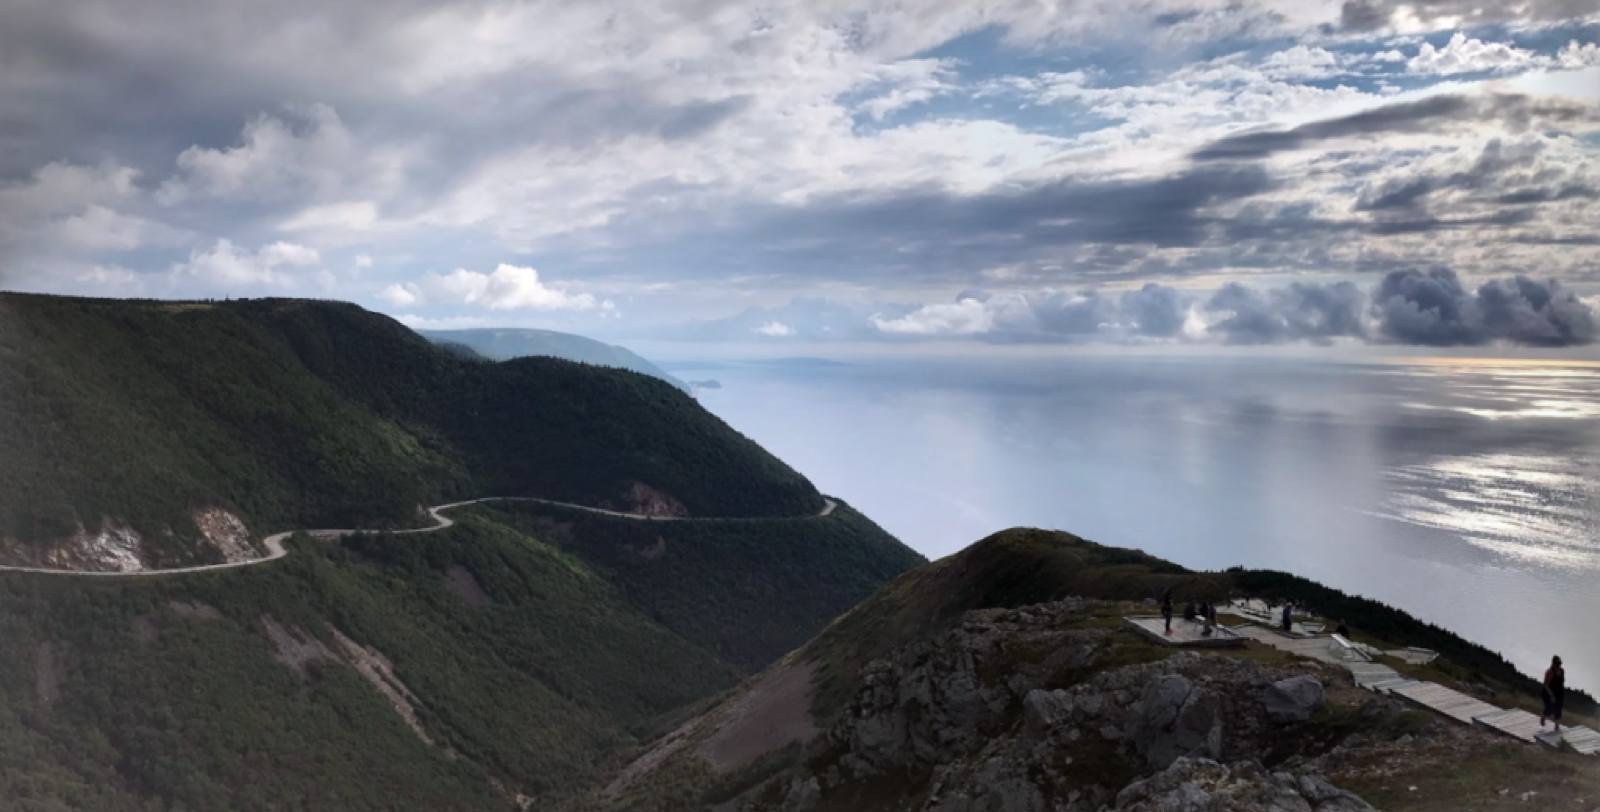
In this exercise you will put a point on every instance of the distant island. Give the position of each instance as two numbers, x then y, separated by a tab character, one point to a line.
706	384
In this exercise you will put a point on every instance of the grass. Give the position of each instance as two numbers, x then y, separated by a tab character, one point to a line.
1485	779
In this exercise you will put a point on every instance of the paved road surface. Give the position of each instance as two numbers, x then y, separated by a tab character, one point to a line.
276	550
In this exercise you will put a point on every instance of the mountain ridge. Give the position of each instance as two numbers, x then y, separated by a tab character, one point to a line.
500	343
126	421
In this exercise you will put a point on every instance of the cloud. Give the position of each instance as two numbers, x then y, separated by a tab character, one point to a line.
774	329
1575	55
1512	171
966	317
1431	115
508	287
855	147
1464	55
1429	308
1433	308
398	295
1409	15
1155	310
225	266
274	156
1298	312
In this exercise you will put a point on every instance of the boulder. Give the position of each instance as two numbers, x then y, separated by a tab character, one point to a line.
804	795
1293	699
1043	711
1175	718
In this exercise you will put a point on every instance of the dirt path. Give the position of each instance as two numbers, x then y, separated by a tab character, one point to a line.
276	550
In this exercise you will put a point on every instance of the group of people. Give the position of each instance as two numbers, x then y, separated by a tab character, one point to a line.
1202	612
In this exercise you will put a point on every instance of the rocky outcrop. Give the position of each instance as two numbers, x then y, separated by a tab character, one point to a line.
1202	785
227	533
1028	711
1294	699
113	547
644	500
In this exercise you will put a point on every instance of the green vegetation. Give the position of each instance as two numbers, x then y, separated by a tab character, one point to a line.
762	587
537	661
532	669
503	343
297	413
1012	568
1461	661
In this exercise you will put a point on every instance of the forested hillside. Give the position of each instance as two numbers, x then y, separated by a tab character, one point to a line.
446	671
503	343
120	415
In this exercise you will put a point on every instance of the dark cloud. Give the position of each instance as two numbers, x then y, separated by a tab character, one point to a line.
1432	308
1297	312
936	235
1083	313
1492	168
1155	310
1425	308
1363	15
1518	113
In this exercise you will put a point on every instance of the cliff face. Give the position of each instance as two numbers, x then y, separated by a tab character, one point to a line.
1048	709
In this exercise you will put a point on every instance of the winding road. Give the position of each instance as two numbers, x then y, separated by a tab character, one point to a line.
276	550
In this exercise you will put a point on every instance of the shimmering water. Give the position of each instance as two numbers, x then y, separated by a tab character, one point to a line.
1467	493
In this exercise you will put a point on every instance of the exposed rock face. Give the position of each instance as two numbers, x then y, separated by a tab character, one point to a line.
115	547
1294	699
647	501
1202	785
1174	718
1019	711
227	533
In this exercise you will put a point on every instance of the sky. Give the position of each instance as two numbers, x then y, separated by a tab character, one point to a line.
1358	175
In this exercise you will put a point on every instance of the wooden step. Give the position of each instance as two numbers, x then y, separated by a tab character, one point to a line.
1514	722
1451	703
1581	739
1389	686
1365	674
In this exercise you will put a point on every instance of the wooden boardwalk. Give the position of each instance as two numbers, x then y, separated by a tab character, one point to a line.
1516	723
1581	739
1450	702
1185	633
1315	648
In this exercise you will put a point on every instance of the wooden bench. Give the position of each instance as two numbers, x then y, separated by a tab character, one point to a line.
1343	649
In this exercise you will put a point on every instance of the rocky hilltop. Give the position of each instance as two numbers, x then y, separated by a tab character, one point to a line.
1005	678
1028	710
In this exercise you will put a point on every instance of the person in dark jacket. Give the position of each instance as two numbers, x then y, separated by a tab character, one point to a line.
1166	609
1555	692
1288	625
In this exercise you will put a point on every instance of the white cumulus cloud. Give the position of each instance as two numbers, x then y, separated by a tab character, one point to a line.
1579	55
966	317
225	265
775	329
509	287
1465	55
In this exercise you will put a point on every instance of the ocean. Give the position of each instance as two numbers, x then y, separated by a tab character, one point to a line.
1464	492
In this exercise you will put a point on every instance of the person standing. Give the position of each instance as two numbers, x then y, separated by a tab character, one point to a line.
1288	625
1166	610
1555	692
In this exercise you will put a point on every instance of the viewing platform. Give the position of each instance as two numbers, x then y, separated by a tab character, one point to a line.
1185	633
1379	678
